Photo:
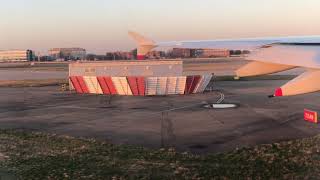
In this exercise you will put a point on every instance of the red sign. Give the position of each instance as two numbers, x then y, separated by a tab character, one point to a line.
310	116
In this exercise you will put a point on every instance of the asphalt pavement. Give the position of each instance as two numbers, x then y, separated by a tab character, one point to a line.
166	121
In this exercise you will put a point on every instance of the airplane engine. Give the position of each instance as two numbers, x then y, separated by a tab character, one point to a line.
256	68
308	82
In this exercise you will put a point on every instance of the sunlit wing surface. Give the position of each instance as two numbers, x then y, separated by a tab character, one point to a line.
268	55
256	68
295	55
308	82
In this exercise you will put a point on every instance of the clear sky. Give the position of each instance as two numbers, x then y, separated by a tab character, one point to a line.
102	25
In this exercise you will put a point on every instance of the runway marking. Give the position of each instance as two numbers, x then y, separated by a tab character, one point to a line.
183	107
222	97
220	100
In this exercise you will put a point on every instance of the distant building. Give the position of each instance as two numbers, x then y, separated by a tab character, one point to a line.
199	53
45	58
68	53
181	53
156	55
239	52
124	55
211	53
119	55
16	55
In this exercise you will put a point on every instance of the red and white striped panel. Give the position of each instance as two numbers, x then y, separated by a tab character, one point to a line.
197	87
171	85
75	84
162	86
204	83
192	83
137	85
106	85
122	85
79	84
151	86
93	85
140	86
181	84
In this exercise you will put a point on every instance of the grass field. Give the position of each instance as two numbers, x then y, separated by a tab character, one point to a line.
36	66
42	156
33	83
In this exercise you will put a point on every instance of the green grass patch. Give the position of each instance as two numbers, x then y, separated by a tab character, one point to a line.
44	156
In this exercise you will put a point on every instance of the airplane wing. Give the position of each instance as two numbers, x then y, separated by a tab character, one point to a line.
282	57
268	55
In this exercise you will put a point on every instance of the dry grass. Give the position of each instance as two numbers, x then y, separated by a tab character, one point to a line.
33	83
44	156
35	67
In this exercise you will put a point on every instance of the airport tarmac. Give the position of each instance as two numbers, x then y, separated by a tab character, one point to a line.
167	121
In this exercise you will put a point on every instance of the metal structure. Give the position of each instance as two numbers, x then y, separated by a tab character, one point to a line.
138	78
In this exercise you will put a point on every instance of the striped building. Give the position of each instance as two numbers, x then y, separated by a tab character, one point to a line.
135	78
140	86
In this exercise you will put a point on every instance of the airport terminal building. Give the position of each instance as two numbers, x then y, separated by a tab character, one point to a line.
16	55
68	53
199	53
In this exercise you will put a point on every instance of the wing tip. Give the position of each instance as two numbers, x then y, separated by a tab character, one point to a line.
278	92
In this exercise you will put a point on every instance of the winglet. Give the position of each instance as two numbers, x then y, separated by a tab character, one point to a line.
144	44
278	92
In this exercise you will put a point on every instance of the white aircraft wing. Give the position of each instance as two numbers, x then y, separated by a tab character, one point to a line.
268	55
282	57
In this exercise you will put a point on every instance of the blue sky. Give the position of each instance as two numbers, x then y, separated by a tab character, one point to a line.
102	25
